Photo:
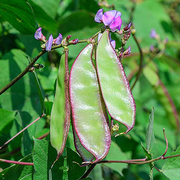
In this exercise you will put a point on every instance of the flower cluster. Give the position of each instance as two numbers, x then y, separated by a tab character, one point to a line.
126	33
48	44
112	19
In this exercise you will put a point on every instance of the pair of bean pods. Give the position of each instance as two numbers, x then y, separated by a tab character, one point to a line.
89	91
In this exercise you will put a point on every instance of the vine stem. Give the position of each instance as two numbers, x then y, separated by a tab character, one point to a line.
21	131
141	61
16	162
139	161
88	171
26	70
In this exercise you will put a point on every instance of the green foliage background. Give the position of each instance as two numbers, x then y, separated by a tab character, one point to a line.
20	105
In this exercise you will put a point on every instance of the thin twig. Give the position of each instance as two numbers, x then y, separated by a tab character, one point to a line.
21	131
139	161
22	73
88	171
141	61
166	142
43	136
16	162
132	11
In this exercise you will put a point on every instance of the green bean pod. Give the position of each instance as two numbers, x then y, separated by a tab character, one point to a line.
114	84
86	155
88	109
60	114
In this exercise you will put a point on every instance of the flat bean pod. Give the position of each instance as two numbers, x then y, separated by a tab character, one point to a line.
88	109
86	155
60	114
114	84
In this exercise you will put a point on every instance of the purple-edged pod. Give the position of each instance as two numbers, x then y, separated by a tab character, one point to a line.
86	155
88	109
114	84
60	114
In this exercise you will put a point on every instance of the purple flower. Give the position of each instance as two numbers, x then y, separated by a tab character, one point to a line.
58	40
110	18
153	34
49	43
98	16
38	35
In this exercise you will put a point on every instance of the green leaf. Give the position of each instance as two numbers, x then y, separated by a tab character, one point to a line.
48	107
6	119
60	114
171	168
40	159
114	84
150	133
151	75
20	172
43	19
43	157
19	14
50	7
171	62
22	96
74	162
88	110
97	172
115	153
162	95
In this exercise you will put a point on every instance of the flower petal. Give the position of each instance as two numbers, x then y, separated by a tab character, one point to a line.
153	33
58	40
117	14
49	43
38	33
116	24
113	43
98	16
108	17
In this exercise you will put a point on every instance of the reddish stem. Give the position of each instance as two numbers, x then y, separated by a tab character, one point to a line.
166	142
17	162
43	136
21	131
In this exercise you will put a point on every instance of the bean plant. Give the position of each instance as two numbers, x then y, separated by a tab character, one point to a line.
98	101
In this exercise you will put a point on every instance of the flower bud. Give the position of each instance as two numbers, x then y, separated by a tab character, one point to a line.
39	36
58	40
49	43
127	51
74	41
153	34
68	37
127	27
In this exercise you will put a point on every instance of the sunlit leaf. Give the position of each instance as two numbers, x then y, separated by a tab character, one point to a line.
171	168
19	14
